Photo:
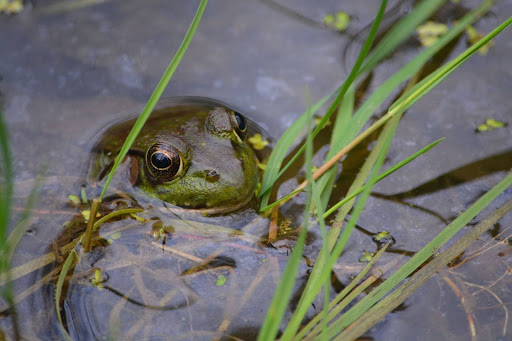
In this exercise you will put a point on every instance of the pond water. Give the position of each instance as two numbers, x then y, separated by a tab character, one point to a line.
67	72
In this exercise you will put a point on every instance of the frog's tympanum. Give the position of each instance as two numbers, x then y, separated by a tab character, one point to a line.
192	154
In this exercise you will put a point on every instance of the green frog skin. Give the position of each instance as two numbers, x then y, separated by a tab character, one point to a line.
192	154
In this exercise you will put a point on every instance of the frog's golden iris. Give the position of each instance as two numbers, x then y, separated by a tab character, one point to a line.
192	154
163	162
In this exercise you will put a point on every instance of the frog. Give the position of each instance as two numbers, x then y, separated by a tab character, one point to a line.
192	153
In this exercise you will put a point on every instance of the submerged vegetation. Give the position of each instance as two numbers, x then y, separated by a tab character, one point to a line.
352	125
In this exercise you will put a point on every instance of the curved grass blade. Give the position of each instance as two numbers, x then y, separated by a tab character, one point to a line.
157	93
397	297
58	290
115	214
270	175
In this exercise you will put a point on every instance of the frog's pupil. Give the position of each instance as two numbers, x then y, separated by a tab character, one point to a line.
160	160
240	121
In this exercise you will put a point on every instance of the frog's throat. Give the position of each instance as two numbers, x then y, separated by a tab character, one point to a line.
207	211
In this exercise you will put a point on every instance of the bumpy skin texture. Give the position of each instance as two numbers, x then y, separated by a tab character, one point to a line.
220	170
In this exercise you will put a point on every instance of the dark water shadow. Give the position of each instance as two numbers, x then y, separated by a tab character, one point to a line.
465	174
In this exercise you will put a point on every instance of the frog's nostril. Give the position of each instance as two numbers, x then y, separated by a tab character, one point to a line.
212	175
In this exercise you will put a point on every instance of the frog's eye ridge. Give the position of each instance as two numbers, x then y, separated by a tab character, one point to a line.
164	162
239	124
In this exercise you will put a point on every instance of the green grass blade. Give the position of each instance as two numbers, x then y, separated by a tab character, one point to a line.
157	93
420	257
340	130
341	295
401	31
354	193
397	297
6	191
319	204
23	221
58	290
6	185
115	214
320	275
378	97
383	175
368	108
288	138
422	88
364	113
284	289
270	176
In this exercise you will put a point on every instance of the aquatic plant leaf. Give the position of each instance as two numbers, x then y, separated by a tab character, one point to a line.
429	32
257	141
11	6
474	36
83	195
489	125
221	280
339	21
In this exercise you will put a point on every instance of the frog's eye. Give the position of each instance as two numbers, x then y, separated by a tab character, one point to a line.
239	124
164	162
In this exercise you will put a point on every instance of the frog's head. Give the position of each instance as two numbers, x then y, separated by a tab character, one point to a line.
193	158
